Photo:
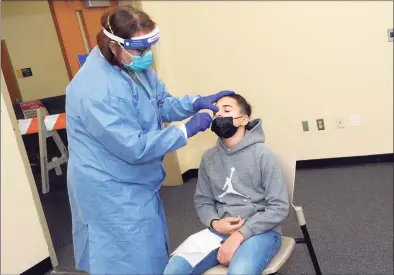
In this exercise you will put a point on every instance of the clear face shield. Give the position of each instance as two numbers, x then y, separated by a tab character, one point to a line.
141	44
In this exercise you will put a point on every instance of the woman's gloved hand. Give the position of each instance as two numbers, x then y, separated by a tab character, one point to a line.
206	102
198	123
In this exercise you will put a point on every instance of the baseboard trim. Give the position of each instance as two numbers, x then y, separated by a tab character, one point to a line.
322	163
41	268
344	161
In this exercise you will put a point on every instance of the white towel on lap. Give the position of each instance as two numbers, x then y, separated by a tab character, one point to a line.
195	248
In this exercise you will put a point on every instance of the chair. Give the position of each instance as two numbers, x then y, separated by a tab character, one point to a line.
288	163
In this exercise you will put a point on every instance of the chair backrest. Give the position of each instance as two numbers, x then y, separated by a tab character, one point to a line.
288	160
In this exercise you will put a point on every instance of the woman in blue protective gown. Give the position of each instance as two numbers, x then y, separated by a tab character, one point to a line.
115	107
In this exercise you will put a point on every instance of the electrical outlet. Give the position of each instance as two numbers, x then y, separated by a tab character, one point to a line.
305	126
340	123
320	124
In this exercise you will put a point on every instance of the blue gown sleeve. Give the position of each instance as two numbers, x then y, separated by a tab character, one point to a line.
172	108
113	123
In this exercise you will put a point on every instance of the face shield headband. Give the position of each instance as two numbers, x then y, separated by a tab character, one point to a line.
136	43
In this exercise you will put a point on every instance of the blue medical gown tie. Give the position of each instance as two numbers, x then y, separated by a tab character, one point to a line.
116	145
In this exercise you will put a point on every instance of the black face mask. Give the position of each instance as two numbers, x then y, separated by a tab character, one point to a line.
224	127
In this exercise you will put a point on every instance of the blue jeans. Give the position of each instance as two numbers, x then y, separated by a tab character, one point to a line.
251	257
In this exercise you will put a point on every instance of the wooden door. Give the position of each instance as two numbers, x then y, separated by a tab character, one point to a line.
76	27
9	74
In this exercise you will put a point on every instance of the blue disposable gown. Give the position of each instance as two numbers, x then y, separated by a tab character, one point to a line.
116	145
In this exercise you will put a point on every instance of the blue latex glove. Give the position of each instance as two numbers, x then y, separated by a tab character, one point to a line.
206	102
198	123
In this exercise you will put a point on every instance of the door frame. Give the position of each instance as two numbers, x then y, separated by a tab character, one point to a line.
9	74
29	175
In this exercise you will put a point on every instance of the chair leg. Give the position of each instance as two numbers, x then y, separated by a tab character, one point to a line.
312	253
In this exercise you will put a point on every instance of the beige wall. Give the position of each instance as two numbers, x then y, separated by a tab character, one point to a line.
30	34
292	60
23	225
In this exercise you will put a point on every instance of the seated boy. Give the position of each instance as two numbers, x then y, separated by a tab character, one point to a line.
240	196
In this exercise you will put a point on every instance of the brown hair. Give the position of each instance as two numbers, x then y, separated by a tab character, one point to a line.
124	22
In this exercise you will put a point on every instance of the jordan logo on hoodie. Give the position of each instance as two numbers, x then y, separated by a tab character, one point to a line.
230	189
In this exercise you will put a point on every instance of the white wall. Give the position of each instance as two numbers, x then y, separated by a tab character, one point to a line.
23	225
30	35
292	60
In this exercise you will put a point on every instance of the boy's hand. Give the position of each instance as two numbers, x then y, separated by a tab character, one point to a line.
228	225
229	247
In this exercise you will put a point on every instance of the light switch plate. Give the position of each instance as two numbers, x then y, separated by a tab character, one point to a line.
305	126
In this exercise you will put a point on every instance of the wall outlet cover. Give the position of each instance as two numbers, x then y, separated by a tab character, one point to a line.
305	126
320	124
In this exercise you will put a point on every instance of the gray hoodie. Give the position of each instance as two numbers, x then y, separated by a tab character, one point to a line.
245	181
